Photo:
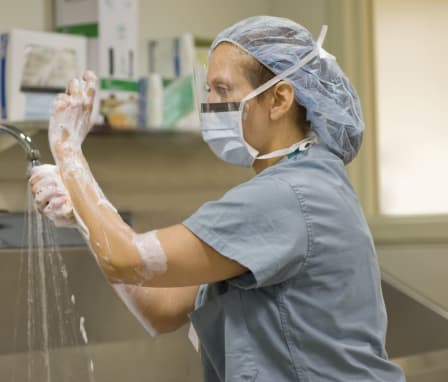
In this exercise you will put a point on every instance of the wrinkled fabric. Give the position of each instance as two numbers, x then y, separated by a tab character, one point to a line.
332	105
310	307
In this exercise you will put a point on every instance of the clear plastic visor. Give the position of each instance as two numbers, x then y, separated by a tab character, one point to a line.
201	90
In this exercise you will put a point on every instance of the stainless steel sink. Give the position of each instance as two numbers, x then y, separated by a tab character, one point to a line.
415	292
413	328
118	347
417	337
13	231
117	344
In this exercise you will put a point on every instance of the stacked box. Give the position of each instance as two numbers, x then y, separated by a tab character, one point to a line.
172	59
34	67
111	27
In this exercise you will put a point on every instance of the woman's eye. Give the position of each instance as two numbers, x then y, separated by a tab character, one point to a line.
222	91
207	88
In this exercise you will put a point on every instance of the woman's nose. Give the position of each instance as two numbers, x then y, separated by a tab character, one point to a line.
212	97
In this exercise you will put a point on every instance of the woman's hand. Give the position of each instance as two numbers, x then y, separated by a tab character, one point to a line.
70	119
51	196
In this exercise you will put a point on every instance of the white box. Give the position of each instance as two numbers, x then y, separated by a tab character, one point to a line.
118	38
36	66
112	28
114	23
171	57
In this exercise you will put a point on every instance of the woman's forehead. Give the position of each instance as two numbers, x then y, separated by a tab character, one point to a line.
228	59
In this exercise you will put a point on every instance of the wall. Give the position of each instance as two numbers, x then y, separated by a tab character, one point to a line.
25	14
350	39
309	13
411	95
204	18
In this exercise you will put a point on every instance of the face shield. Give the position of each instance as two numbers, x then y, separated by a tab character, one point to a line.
202	87
202	93
222	122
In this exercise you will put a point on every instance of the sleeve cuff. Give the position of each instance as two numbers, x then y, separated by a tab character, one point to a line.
248	280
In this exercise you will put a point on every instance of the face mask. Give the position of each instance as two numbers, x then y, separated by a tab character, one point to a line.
222	123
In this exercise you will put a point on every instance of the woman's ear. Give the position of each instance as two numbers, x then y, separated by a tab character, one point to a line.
282	100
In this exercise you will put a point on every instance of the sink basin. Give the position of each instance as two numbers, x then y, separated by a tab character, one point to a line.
414	288
13	231
117	344
417	337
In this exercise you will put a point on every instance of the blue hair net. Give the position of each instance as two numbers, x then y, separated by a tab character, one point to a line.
321	87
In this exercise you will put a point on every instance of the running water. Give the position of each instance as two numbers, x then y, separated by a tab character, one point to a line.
55	332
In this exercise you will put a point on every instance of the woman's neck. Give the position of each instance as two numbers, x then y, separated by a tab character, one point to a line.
290	136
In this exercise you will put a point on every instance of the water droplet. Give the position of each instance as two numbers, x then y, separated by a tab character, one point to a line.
83	331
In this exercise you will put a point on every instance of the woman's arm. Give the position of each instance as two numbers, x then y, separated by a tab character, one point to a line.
159	310
169	257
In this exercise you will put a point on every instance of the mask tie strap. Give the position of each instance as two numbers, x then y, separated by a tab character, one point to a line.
315	52
302	146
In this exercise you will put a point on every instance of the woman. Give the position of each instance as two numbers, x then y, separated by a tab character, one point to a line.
289	281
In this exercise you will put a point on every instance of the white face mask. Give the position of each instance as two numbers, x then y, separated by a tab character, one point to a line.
222	123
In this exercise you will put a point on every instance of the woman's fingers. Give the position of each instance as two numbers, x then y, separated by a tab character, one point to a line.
90	86
57	204
61	102
74	88
60	211
40	183
45	195
45	185
50	196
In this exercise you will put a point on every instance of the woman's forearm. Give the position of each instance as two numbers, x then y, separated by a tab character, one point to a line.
110	238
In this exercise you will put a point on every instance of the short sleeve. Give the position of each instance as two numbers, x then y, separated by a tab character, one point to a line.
261	225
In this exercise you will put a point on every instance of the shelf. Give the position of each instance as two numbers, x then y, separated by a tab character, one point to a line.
27	125
33	127
30	126
105	129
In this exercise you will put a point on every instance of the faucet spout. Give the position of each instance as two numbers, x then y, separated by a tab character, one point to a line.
25	141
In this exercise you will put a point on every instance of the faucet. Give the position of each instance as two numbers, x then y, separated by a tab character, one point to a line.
32	153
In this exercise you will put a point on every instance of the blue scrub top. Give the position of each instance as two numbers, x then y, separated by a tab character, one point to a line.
310	308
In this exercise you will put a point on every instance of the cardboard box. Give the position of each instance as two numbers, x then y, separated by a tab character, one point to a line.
173	58
118	37
112	30
117	104
35	66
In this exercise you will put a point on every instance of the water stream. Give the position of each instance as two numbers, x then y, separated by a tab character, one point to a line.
54	331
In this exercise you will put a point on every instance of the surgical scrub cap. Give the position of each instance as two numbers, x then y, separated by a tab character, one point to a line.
332	105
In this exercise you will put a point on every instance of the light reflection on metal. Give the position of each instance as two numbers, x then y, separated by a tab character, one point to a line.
24	140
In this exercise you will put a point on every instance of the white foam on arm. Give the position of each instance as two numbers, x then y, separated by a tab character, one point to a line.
49	190
124	255
51	197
